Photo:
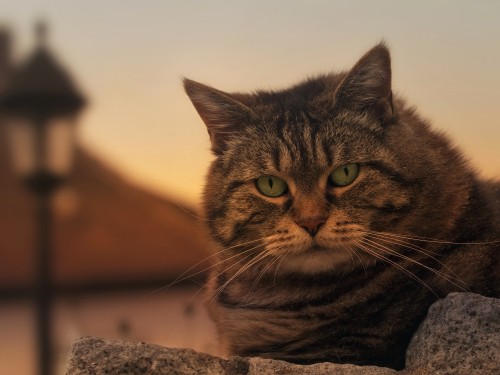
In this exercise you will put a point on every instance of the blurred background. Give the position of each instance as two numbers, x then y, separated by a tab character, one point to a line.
126	221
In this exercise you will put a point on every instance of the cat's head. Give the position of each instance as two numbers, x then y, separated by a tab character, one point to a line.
311	175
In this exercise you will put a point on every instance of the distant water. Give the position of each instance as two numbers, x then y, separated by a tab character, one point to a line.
173	318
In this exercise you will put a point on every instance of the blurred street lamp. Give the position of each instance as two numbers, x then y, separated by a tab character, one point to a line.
39	106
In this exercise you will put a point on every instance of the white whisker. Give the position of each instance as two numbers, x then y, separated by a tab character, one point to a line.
373	252
433	240
418	249
182	276
251	263
259	277
401	256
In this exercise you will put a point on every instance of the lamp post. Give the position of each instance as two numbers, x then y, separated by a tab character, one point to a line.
39	107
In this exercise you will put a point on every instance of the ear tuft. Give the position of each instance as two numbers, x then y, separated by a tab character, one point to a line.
368	85
221	113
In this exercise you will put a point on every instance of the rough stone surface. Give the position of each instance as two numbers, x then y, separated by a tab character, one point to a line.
94	356
461	335
272	367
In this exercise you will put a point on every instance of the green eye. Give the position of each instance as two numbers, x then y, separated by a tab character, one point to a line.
344	175
271	186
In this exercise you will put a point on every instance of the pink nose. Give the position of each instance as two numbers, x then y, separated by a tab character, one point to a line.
311	225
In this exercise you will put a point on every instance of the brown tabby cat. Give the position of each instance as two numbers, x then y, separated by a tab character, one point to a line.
339	217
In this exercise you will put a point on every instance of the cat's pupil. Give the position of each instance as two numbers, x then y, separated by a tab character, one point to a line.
346	171
271	183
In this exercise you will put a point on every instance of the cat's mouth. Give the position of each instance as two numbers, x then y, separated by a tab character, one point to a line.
318	248
319	256
317	259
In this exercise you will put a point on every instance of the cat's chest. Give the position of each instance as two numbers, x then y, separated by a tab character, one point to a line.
278	312
305	314
241	330
301	295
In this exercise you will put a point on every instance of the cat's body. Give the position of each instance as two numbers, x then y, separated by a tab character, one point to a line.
339	217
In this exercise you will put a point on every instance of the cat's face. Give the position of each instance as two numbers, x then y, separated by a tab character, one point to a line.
304	178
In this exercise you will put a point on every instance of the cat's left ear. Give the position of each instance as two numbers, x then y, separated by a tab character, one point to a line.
367	86
221	113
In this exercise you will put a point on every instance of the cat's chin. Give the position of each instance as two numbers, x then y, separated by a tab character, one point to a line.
320	260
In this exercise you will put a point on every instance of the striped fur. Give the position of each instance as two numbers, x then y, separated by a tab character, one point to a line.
414	226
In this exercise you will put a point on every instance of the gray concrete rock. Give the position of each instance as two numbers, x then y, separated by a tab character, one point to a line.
460	335
258	366
93	356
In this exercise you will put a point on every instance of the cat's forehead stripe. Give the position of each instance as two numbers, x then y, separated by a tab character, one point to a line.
276	158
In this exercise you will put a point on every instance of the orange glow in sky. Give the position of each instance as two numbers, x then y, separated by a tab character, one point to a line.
129	57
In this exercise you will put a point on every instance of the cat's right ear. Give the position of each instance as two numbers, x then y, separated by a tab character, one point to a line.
221	113
367	86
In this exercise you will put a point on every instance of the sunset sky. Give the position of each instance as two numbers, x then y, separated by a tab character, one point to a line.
128	56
